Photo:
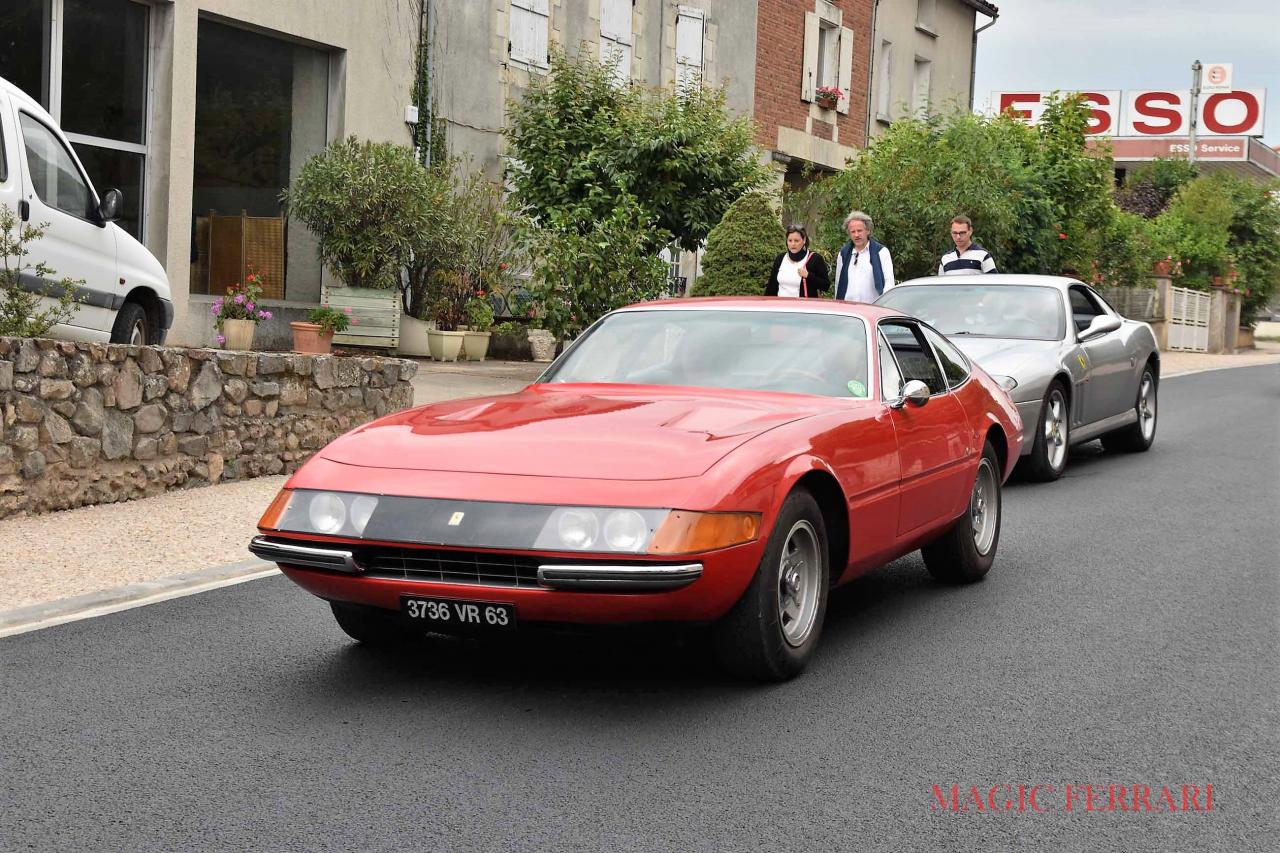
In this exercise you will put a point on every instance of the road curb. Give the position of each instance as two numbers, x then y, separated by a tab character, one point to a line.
33	617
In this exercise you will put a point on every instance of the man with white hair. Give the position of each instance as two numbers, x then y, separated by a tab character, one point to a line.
864	268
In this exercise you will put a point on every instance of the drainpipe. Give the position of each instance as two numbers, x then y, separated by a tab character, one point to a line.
973	57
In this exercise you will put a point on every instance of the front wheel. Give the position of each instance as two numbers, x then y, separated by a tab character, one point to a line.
370	625
1048	457
964	553
131	326
772	631
1137	437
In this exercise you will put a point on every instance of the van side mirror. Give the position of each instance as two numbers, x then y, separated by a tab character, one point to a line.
111	206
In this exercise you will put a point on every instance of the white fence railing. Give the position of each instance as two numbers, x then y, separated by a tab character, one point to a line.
1189	320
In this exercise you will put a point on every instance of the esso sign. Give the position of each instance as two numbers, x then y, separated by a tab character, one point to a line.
1155	112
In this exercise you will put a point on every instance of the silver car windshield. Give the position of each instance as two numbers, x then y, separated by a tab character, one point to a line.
991	311
795	352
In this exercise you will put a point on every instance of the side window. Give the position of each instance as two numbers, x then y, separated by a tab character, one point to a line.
954	364
54	175
1083	308
915	356
890	377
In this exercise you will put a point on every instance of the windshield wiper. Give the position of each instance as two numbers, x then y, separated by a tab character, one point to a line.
961	332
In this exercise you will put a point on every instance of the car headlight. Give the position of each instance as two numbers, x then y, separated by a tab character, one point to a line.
1008	383
507	526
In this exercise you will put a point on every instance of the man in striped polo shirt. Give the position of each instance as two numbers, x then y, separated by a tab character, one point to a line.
968	256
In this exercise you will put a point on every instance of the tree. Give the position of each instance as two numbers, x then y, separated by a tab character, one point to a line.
579	141
20	313
741	249
365	202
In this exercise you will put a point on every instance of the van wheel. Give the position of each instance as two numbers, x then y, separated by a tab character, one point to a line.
131	326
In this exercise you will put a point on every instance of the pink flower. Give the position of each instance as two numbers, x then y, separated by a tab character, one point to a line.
346	310
266	315
239	298
221	340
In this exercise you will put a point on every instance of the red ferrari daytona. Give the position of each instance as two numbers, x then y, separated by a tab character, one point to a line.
716	461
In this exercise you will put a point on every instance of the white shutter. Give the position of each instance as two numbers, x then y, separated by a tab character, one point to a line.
846	69
689	27
809	79
529	24
886	79
615	20
611	50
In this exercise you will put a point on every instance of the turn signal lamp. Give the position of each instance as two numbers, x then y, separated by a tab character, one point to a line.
271	518
691	532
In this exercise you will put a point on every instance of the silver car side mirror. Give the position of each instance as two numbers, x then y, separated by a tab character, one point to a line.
914	392
1101	325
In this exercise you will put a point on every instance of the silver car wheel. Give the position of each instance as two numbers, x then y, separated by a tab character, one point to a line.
138	335
1055	430
984	507
1147	407
799	582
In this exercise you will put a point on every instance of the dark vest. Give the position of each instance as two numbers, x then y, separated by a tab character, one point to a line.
877	271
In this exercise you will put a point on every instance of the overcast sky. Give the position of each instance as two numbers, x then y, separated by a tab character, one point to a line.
1043	45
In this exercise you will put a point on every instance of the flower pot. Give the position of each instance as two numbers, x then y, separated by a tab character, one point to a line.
826	102
543	344
310	338
1163	267
413	337
476	345
238	334
1219	281
445	346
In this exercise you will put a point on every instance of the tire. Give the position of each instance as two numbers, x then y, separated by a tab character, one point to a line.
1138	437
1048	458
964	553
370	625
131	326
770	635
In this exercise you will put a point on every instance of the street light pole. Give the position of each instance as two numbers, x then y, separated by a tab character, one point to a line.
1195	110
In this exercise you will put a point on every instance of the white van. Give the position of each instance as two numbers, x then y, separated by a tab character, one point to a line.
125	295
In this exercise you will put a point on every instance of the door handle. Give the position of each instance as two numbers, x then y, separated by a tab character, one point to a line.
24	210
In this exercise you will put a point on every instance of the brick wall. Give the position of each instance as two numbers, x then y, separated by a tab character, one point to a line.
780	66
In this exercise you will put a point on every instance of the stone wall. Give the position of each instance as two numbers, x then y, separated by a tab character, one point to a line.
85	424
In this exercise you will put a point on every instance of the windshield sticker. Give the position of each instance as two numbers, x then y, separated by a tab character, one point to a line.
857	389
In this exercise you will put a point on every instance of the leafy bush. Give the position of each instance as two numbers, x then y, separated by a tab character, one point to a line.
741	249
330	320
479	314
510	327
365	202
1149	189
20	313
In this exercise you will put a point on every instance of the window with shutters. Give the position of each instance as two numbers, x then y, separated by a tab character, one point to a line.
920	88
616	40
530	25
828	55
689	29
885	100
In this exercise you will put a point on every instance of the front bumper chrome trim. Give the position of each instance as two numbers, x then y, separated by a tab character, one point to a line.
620	577
337	559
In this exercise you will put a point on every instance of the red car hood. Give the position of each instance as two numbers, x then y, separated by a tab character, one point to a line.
591	432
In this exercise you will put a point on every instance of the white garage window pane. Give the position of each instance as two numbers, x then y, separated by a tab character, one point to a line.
529	31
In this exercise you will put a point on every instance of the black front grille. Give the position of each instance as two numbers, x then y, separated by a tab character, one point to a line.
481	568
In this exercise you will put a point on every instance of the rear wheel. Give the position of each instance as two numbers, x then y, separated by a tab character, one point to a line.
772	631
965	553
370	625
1139	436
131	326
1048	458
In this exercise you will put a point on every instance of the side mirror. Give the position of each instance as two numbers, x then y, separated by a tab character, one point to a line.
111	206
914	392
1101	325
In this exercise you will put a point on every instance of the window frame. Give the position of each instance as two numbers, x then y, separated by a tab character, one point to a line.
618	40
532	7
925	328
685	70
1102	309
914	326
94	200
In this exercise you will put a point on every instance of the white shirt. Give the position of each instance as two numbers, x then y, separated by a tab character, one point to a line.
862	281
789	276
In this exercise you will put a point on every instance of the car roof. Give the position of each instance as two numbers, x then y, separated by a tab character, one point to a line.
1059	282
768	303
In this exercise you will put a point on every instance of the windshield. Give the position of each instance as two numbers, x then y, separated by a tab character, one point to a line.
990	311
803	353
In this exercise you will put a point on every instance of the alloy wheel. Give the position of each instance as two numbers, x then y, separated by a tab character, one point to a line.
984	507
799	583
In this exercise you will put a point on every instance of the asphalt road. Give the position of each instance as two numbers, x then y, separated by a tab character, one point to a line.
1128	635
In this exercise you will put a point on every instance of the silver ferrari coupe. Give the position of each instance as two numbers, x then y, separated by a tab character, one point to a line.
1076	369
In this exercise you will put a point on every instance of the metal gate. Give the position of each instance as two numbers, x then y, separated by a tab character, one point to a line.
1189	320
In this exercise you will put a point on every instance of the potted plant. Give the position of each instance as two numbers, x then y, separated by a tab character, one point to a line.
480	321
828	97
1164	266
316	335
449	310
236	315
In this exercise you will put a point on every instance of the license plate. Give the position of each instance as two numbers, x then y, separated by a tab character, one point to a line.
456	614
